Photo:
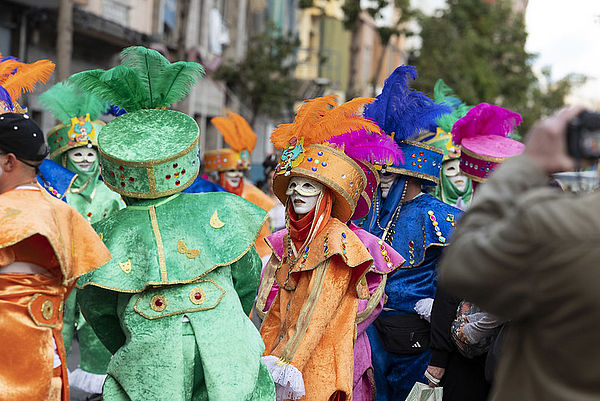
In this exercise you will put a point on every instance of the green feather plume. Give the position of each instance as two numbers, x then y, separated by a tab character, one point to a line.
145	79
65	101
443	94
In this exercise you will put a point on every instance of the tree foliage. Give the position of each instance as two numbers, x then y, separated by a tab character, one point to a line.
478	48
264	80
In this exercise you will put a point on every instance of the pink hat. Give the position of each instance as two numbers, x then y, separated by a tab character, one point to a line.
483	137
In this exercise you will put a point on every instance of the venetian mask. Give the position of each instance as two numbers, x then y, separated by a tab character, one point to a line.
83	157
386	180
234	177
304	193
456	177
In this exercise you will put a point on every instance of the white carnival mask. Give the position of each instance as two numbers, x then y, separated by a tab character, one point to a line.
385	182
83	157
304	193
456	177
234	177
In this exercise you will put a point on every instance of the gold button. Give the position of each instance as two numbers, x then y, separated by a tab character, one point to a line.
47	309
197	296
158	303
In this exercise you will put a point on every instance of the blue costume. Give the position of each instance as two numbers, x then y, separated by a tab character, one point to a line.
418	229
201	185
55	179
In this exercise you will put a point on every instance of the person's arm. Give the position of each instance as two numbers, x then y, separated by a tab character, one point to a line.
99	308
492	258
246	275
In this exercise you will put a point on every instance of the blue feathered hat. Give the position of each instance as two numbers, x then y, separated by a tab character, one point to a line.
404	114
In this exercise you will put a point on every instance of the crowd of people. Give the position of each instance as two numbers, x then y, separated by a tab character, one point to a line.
180	280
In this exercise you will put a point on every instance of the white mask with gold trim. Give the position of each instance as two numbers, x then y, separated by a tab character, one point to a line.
304	193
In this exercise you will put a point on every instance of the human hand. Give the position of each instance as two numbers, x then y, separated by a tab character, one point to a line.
434	374
546	142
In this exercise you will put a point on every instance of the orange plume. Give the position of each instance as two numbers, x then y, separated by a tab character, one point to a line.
27	76
6	69
319	119
227	128
246	137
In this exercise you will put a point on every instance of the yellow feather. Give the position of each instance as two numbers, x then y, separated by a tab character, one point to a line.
227	128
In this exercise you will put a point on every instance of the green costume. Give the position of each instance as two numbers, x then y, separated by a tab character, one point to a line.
446	191
172	303
92	199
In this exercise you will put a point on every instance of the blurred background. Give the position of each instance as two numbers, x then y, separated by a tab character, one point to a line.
263	57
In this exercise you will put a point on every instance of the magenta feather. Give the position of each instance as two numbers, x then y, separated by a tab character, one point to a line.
369	146
485	119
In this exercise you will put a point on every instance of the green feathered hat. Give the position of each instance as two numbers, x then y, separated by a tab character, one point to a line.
150	151
78	113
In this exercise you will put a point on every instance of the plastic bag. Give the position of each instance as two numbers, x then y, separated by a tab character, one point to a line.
422	392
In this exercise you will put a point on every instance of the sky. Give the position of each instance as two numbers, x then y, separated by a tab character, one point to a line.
565	35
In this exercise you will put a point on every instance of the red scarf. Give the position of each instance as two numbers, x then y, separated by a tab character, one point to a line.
301	227
225	184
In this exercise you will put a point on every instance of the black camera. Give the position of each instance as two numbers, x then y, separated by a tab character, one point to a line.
583	136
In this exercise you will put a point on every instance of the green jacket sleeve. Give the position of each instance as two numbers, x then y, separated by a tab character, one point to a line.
99	307
69	318
246	275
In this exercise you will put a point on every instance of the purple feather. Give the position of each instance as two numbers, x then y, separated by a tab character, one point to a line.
485	119
370	147
5	97
401	110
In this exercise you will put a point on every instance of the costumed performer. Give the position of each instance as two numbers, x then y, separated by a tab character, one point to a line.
231	163
310	328
172	304
364	148
417	225
457	364
45	245
455	188
73	143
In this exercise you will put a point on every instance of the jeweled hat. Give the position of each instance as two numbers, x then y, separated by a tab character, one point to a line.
77	112
150	151
483	137
238	134
366	148
403	113
307	153
17	77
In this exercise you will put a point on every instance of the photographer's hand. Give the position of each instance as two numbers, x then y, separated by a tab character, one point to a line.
546	142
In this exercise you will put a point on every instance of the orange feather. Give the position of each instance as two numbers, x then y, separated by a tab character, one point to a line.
227	128
246	136
27	76
6	68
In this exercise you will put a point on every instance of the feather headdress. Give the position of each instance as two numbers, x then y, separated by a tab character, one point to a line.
375	148
144	80
17	77
320	119
443	94
236	132
485	119
401	110
65	101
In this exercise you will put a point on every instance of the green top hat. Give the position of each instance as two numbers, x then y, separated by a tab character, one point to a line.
78	112
149	152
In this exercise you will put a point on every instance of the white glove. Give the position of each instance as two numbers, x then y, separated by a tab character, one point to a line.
423	308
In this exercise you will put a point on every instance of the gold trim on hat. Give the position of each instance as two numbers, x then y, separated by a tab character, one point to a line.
411	173
153	194
482	157
66	148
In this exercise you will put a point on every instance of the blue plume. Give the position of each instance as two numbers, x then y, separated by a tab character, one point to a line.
116	110
401	110
5	97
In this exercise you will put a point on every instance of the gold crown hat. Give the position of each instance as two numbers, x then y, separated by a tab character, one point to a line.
150	151
78	113
238	134
308	153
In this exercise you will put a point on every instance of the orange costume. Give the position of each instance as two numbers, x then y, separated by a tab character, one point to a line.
310	330
238	134
44	231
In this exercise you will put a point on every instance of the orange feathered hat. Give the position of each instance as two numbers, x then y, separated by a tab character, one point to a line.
306	152
17	77
238	134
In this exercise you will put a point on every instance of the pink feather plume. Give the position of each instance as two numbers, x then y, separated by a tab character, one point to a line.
369	146
485	119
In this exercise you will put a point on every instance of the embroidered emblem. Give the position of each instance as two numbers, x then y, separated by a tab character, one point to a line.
126	266
197	296
291	157
158	303
82	131
215	222
190	253
385	255
47	309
